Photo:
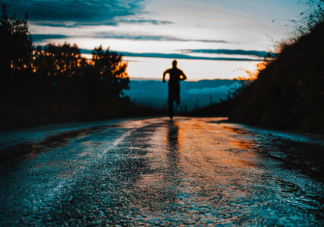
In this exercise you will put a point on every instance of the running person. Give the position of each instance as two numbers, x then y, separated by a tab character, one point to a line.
174	85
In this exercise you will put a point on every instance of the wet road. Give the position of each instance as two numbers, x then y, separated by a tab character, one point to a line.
189	171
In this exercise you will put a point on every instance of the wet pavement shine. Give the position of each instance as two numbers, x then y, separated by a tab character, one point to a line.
160	172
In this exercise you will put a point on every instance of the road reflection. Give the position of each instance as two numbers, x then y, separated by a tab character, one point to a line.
171	175
217	173
173	147
189	171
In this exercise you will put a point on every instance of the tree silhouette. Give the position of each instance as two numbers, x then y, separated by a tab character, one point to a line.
15	44
57	67
110	70
56	81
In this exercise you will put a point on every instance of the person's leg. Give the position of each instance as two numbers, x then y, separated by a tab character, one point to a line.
171	108
177	96
170	103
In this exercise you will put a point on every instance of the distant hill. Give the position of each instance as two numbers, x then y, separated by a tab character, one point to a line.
289	93
155	93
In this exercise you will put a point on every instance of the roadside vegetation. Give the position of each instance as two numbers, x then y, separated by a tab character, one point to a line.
287	92
54	83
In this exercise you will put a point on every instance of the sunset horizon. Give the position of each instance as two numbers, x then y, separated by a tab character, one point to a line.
148	33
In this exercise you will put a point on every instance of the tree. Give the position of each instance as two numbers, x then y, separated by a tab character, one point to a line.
15	44
110	69
56	67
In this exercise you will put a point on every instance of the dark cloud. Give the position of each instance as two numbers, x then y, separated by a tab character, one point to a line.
51	24
44	37
253	53
141	21
174	56
113	35
72	24
110	23
82	12
182	56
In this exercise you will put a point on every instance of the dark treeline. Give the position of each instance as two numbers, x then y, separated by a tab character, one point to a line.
54	83
56	67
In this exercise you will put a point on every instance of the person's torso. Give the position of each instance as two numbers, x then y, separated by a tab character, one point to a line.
175	74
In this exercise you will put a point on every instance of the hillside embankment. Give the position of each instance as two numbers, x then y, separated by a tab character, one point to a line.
288	94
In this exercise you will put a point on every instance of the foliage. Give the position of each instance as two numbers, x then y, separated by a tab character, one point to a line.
59	67
287	92
56	79
311	17
307	21
111	69
15	43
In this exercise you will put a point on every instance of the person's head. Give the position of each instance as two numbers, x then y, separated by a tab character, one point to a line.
174	63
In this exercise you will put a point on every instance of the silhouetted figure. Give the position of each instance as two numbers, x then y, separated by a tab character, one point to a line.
175	75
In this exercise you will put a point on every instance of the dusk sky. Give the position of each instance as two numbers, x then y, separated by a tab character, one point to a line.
209	38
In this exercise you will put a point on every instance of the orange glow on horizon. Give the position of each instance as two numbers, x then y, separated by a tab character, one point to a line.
253	75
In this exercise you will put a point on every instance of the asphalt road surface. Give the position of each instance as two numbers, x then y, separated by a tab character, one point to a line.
189	171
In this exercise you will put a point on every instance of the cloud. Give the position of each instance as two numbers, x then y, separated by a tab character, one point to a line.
254	53
63	13
113	35
72	24
60	24
42	37
114	22
179	56
72	13
172	56
211	91
141	21
144	37
45	37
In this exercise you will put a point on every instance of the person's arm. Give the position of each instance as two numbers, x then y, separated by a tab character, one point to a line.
165	72
184	77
